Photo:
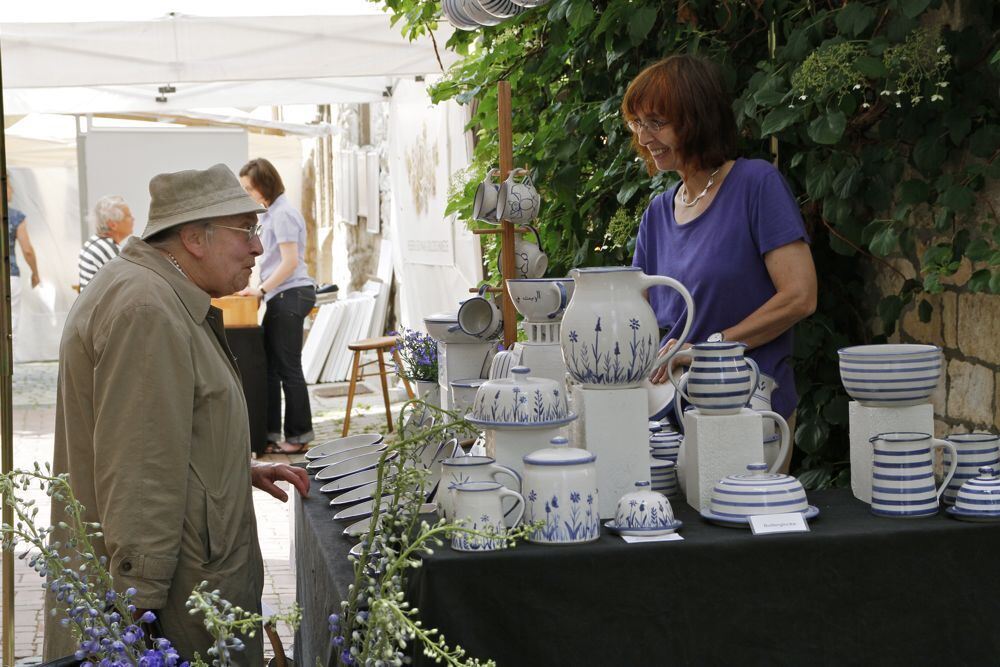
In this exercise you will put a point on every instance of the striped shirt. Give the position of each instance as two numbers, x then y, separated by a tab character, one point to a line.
93	255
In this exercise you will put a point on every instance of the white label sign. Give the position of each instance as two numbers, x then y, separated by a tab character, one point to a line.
791	522
669	537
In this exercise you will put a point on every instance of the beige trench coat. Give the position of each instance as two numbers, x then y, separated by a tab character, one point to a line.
151	425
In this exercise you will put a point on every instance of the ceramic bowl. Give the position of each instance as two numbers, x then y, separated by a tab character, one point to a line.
890	376
463	394
643	508
520	401
979	498
757	492
443	327
541	299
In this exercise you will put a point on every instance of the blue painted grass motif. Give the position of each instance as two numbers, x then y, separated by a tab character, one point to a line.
590	365
520	411
581	524
467	542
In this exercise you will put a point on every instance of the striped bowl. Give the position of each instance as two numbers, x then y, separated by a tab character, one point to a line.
663	477
980	496
890	376
757	492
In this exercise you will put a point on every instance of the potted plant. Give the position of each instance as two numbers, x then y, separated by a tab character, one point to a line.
419	354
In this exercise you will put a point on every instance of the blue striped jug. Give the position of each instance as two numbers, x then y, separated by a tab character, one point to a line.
903	474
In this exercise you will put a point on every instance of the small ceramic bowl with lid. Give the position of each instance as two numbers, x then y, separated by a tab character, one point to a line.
519	402
643	512
737	497
560	488
979	498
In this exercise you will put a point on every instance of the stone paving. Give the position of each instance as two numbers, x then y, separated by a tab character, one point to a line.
34	418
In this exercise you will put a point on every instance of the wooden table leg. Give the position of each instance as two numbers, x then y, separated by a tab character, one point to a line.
399	371
350	392
385	388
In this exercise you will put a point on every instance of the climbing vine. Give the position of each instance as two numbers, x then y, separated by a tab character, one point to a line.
885	117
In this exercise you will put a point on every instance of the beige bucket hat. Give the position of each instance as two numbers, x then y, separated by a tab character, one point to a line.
186	196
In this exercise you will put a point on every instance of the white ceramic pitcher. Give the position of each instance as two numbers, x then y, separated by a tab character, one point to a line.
462	469
721	380
610	337
478	505
903	474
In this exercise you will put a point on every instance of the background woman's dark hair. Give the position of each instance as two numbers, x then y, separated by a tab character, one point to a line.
265	178
687	92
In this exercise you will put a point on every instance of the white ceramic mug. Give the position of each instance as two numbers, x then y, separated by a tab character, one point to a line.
480	316
529	259
484	207
518	200
463	469
479	506
540	299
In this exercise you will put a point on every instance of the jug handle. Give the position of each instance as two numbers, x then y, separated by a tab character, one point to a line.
944	444
504	470
562	301
756	377
648	281
519	503
786	439
538	239
678	412
671	367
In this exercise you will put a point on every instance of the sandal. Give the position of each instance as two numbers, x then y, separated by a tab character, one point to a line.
272	448
293	447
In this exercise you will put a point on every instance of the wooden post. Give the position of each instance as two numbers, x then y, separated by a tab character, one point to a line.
506	137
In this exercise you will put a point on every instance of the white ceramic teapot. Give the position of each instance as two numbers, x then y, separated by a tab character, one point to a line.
560	488
610	337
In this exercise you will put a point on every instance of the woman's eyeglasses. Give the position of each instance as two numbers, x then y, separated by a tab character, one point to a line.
651	125
251	232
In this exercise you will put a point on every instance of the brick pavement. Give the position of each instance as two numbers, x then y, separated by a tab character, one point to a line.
34	419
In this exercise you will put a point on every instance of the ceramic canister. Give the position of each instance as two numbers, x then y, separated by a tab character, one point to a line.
560	488
663	477
975	450
479	506
665	446
903	474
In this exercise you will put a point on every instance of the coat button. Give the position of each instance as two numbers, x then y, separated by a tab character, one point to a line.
126	566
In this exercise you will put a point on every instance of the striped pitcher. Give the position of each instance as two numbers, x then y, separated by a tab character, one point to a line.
721	380
903	474
975	451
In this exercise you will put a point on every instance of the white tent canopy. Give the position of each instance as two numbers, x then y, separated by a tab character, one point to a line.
345	54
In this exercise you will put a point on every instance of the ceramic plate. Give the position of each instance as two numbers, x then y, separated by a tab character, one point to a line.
359	528
341	444
356	464
359	511
647	532
351	481
356	495
730	522
967	516
319	464
659	397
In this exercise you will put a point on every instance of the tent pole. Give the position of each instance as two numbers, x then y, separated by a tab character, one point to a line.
6	401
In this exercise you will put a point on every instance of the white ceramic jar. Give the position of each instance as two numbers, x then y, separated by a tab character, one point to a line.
560	488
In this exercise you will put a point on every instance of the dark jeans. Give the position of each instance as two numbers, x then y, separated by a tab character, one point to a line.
283	320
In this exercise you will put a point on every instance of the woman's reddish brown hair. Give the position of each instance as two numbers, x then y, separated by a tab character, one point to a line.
687	92
265	178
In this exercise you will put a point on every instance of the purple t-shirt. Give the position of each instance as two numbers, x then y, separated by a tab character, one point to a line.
718	256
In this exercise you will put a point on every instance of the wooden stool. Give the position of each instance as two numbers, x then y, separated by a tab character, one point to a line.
378	345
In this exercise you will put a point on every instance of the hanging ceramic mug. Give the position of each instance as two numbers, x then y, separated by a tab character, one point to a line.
464	469
529	259
480	316
484	207
479	506
903	474
540	299
518	200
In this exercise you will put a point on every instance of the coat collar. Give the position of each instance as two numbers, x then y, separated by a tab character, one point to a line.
196	300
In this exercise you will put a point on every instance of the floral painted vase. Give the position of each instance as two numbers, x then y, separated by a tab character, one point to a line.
610	336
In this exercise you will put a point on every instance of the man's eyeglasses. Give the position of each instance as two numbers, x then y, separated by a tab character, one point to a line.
651	125
251	232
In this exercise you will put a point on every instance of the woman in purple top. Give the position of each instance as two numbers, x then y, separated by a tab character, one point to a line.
730	230
290	294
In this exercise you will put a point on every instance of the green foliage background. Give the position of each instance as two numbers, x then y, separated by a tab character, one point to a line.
885	116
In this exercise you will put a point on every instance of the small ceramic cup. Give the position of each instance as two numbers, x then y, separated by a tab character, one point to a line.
517	199
541	300
479	506
480	316
529	259
484	206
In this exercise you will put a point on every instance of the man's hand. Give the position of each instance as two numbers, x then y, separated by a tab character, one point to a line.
264	476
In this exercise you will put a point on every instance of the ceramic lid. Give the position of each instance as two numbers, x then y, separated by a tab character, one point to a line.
559	454
520	401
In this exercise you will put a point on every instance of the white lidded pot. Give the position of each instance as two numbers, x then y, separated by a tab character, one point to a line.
560	488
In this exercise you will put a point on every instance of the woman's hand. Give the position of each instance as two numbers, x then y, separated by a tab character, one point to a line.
250	291
35	280
659	374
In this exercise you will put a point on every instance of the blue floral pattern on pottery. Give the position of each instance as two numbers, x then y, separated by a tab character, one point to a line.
576	521
626	362
463	541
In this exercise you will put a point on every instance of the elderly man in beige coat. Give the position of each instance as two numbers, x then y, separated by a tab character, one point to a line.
151	421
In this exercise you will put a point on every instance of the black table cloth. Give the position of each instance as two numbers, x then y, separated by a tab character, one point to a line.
247	345
856	590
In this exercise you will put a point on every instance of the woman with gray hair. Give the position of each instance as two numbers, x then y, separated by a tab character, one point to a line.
112	219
